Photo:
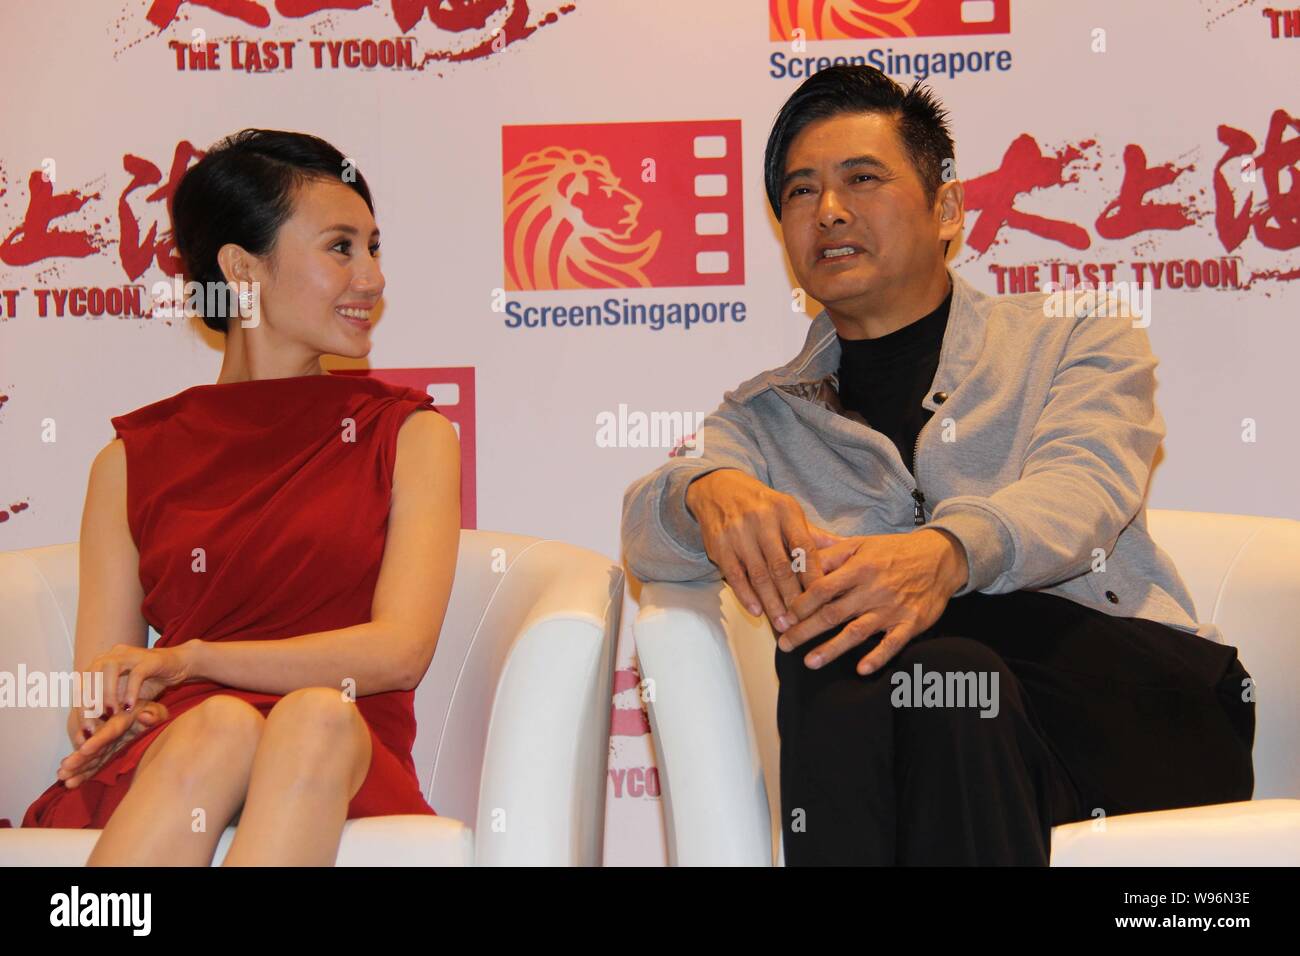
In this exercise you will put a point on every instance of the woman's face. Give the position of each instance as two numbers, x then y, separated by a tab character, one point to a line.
321	283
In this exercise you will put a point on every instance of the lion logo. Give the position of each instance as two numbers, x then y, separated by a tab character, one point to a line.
841	19
569	224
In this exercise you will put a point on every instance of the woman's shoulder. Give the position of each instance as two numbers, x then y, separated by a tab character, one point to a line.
383	389
253	397
144	415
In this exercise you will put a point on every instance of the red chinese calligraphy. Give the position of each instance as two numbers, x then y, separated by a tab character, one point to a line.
1024	168
156	247
456	15
163	12
1129	214
1276	220
305	8
33	239
453	15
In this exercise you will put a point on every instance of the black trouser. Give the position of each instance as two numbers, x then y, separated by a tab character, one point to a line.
1094	715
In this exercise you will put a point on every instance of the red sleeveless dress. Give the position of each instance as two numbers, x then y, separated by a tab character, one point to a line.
292	517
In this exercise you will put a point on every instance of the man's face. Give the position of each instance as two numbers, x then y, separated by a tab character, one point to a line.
850	190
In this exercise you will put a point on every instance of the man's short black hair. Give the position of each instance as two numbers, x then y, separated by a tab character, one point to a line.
921	121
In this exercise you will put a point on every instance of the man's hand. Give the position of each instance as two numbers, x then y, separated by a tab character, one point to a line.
751	533
897	583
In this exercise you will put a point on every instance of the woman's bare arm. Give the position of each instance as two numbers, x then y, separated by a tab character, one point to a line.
109	594
108	586
393	649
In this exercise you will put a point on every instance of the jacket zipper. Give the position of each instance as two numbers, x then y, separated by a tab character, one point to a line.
918	499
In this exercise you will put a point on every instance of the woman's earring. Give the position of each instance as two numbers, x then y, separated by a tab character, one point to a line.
246	301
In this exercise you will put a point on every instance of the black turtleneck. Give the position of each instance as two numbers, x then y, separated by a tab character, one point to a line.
885	379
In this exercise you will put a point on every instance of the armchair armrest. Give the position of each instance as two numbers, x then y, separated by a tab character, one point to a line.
709	662
541	794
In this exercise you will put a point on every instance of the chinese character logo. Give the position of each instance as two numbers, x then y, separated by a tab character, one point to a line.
622	205
469	29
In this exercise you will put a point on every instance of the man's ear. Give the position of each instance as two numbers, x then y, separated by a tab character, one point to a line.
951	201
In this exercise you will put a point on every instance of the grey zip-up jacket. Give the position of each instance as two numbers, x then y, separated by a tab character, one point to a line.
1036	459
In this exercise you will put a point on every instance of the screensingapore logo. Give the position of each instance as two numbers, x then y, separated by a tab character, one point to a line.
794	23
874	19
621	206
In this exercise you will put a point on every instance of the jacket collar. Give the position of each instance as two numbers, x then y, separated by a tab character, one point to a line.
819	360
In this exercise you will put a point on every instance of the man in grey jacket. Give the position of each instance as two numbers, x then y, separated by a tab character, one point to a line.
966	475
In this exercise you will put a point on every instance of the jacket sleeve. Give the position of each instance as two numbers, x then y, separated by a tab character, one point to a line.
1085	472
661	539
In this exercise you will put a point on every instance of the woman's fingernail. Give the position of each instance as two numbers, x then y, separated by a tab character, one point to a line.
755	609
783	623
784	644
814	660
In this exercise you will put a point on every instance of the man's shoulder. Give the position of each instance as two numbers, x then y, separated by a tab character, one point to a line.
988	304
1012	321
820	333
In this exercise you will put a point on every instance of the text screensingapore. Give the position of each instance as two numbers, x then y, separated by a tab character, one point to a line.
620	312
921	65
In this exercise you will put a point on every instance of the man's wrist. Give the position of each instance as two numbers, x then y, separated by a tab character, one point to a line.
686	496
957	565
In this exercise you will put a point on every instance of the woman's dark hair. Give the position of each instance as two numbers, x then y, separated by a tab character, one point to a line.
242	191
921	121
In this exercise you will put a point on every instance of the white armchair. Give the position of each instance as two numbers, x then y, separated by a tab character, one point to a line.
713	712
513	713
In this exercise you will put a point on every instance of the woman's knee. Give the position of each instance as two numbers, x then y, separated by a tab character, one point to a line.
319	715
331	710
323	736
212	737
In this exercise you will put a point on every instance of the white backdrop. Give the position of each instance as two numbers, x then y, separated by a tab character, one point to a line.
94	99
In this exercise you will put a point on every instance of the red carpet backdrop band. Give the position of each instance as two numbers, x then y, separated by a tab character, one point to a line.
576	239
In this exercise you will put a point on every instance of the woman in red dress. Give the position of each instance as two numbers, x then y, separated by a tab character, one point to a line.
290	534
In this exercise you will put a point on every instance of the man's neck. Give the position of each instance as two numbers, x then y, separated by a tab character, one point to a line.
863	324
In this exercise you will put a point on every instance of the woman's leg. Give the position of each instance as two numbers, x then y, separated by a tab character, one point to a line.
188	785
313	757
